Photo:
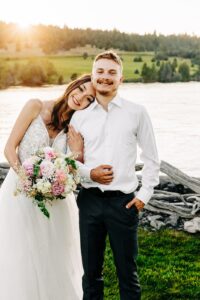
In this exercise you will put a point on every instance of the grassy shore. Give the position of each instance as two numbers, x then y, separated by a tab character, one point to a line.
68	65
168	266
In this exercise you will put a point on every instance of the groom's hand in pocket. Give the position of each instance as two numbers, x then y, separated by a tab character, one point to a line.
137	202
102	174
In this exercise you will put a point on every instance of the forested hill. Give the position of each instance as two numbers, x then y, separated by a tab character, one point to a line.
52	39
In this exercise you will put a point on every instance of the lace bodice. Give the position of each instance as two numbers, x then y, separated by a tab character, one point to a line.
37	136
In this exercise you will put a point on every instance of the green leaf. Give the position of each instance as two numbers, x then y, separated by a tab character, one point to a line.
39	197
71	162
36	168
43	209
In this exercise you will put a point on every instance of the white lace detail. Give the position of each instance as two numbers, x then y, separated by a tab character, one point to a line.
37	136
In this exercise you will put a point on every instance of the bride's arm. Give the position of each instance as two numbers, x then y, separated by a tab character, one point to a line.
30	111
75	143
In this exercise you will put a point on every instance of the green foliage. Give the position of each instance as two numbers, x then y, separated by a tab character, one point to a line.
53	39
174	64
158	63
161	56
37	72
196	75
137	59
62	69
165	73
71	162
168	266
196	60
43	209
184	71
60	79
156	43
74	76
149	74
85	55
36	168
7	75
33	74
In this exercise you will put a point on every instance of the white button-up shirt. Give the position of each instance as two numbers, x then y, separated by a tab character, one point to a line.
111	137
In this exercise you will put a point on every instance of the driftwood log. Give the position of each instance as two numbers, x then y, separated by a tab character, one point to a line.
180	177
168	207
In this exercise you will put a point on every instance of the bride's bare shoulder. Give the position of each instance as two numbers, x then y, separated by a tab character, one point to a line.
34	106
35	103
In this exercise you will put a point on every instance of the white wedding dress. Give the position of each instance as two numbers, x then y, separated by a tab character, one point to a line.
40	258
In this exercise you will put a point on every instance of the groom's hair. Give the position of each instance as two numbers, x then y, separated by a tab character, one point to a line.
111	55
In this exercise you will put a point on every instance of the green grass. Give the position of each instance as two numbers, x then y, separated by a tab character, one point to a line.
73	64
67	65
168	266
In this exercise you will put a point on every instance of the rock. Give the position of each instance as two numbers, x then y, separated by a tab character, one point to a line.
157	224
143	222
154	221
172	220
154	218
193	225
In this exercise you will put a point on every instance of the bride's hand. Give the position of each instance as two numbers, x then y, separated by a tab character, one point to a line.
75	142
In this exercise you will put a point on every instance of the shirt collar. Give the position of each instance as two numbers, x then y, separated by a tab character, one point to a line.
117	100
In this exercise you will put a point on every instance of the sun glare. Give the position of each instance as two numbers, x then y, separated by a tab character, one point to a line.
24	27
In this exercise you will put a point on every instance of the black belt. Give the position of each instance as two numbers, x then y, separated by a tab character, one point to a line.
98	192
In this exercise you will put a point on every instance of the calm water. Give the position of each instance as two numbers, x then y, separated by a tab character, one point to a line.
174	110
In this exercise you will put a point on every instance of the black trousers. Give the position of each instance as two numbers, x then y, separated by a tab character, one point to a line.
101	214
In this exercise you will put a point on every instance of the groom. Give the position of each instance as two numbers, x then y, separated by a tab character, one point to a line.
108	204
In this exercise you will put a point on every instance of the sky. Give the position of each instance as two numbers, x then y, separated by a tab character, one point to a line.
131	16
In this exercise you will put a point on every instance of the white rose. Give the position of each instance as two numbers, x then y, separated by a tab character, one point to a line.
71	185
60	163
43	186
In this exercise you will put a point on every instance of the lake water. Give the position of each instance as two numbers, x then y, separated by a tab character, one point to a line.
174	109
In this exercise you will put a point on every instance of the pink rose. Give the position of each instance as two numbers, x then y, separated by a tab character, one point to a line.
28	166
57	189
49	153
60	176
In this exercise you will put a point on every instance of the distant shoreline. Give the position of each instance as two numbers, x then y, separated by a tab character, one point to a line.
65	84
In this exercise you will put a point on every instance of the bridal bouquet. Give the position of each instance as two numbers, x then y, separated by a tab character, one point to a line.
46	176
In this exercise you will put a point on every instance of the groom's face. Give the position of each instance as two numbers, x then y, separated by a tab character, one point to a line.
106	76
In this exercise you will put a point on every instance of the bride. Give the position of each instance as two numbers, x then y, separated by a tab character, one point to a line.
40	258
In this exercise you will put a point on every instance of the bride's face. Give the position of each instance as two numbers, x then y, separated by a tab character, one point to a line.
82	96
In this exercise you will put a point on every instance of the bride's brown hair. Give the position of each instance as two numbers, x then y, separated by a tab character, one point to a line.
61	104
